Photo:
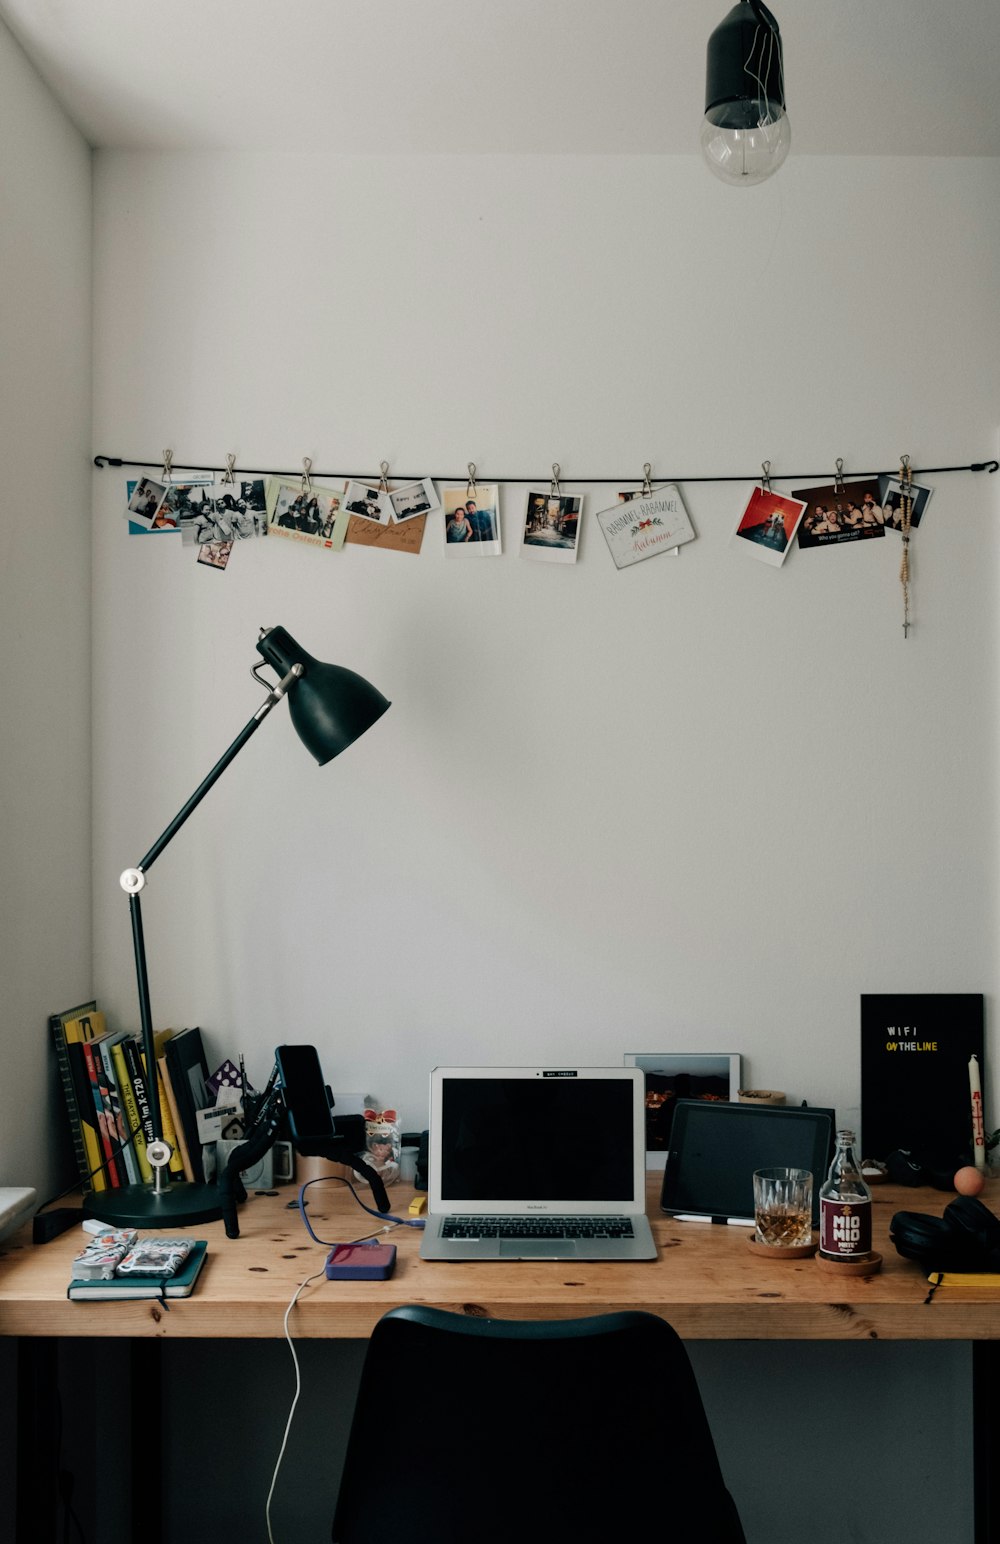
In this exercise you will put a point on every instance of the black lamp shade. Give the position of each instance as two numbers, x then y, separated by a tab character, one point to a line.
330	706
743	72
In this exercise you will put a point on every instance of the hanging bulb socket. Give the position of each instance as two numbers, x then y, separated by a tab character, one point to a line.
746	134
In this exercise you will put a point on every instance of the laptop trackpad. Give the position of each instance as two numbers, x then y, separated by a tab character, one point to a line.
536	1249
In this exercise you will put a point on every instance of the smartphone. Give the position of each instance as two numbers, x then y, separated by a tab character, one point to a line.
305	1092
360	1262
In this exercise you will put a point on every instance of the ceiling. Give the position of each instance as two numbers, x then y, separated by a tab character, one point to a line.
887	77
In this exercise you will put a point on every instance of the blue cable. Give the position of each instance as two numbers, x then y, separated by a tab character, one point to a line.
402	1222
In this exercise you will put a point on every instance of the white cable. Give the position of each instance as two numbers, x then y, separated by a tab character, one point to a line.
298	1376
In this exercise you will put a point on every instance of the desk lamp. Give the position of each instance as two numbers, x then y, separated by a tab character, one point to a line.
330	707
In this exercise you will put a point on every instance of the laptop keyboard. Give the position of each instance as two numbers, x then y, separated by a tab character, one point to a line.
471	1228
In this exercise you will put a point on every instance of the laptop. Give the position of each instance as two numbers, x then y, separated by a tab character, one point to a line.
537	1163
715	1147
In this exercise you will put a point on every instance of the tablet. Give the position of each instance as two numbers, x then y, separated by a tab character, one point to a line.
715	1147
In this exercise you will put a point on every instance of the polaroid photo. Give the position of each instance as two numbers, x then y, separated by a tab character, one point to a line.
215	554
850	512
313	516
642	525
891	499
472	521
145	500
768	524
551	529
369	503
417	498
671	1076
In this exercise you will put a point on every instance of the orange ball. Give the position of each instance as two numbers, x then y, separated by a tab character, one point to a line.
969	1181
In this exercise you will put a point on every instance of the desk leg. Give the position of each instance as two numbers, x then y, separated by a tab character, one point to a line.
986	1439
37	1477
146	1401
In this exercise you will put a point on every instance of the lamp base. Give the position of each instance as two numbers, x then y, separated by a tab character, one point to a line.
140	1206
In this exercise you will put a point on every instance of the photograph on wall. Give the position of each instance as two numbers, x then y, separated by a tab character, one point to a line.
768	524
313	515
215	554
834	514
642	525
145	500
417	498
551	530
472	521
242	506
680	1075
891	499
369	503
399	536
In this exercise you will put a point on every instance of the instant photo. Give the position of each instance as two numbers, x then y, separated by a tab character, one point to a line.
642	525
414	499
369	503
313	516
472	521
839	513
768	524
215	554
145	500
551	529
891	499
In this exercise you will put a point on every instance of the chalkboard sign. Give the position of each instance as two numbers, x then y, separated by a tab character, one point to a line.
915	1084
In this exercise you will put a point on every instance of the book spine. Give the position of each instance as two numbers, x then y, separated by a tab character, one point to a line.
74	1037
92	1057
72	1108
171	1103
128	1169
176	1164
136	1149
136	1085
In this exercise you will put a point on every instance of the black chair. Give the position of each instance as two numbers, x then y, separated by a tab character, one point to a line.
475	1431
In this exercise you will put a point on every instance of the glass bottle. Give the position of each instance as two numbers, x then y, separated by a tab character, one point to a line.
845	1206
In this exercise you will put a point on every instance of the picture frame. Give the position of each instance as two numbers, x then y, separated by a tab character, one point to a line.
672	1075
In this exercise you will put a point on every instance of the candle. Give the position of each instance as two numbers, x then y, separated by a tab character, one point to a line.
978	1128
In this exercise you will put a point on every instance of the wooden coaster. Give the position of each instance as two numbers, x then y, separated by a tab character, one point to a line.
778	1252
869	1265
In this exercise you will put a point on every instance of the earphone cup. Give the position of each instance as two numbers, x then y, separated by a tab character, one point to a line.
966	1238
969	1218
918	1236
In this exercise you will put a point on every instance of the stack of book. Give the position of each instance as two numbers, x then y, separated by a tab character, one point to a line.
105	1082
118	1264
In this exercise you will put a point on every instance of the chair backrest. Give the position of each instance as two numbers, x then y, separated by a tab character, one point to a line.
470	1430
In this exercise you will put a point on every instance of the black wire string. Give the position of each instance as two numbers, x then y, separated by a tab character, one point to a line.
103	461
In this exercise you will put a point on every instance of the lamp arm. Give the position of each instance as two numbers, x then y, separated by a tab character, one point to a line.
133	882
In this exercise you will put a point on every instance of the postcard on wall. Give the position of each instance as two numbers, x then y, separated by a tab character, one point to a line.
551	531
414	499
313	515
642	525
838	513
369	503
400	536
891	499
680	1075
472	521
768	524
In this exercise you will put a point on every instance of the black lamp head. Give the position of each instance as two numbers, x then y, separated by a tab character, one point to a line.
743	75
330	706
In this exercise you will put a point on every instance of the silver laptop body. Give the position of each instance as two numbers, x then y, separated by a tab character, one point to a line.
537	1163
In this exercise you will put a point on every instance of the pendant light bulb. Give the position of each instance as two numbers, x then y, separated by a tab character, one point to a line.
746	134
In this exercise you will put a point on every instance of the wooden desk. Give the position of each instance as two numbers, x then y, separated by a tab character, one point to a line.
706	1282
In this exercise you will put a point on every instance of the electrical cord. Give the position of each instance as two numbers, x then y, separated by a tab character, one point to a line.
400	1222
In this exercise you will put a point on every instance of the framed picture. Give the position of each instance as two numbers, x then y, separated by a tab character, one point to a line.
768	524
672	1075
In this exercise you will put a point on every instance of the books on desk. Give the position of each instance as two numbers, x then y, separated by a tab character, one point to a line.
180	1284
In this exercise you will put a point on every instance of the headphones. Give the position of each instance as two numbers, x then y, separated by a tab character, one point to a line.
965	1238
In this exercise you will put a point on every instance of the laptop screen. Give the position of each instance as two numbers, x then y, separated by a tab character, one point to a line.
535	1135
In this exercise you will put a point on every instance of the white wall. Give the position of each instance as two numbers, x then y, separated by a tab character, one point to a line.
701	804
45	783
